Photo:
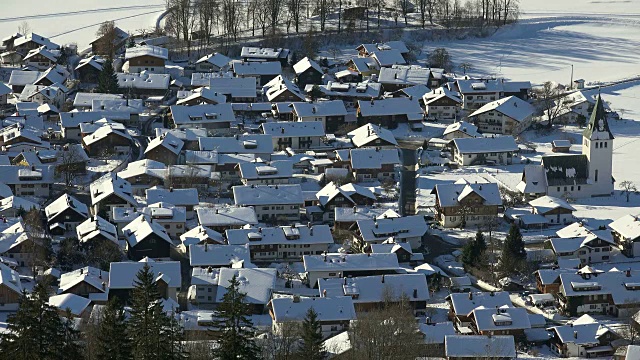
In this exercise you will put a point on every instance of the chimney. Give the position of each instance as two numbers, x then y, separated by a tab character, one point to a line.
170	188
209	269
206	247
100	276
415	293
282	130
629	272
296	298
325	257
383	278
355	209
81	271
345	280
575	334
324	293
491	293
470	295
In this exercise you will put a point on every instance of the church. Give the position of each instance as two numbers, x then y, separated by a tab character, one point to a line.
576	175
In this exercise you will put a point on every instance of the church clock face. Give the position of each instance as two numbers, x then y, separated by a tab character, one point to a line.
601	125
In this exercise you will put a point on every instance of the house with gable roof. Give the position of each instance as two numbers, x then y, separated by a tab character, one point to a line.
462	305
389	112
65	213
143	174
122	277
272	203
10	289
584	337
108	192
201	235
295	135
221	218
213	62
337	265
463	203
442	104
370	135
373	164
146	238
368	292
460	130
626	233
87	282
332	114
334	313
308	72
145	58
40	58
407	229
349	195
165	149
480	150
96	230
282	243
281	89
508	116
22	44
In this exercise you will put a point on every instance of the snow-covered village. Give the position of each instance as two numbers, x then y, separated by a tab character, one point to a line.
326	179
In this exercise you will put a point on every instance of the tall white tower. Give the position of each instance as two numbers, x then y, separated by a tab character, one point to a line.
597	145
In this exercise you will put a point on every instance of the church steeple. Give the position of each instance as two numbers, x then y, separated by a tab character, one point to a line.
598	126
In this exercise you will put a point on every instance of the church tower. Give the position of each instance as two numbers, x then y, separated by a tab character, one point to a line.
597	145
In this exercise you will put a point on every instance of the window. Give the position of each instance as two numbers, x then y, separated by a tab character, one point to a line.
578	187
593	306
571	187
209	289
597	143
565	188
605	257
558	188
605	144
596	179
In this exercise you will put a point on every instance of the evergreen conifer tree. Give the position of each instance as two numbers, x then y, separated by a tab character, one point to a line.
113	340
36	331
480	242
513	252
107	79
147	318
235	340
312	347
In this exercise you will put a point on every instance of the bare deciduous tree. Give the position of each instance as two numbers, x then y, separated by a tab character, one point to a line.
628	188
296	8
207	11
107	39
388	333
71	165
24	28
551	100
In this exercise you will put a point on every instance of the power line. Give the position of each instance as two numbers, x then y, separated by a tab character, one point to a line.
81	12
96	24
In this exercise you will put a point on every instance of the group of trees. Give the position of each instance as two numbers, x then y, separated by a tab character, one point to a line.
513	256
38	332
202	19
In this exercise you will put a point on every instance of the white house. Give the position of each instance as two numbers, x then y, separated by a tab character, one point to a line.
295	135
334	314
460	129
336	265
556	210
477	151
286	243
271	202
509	116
